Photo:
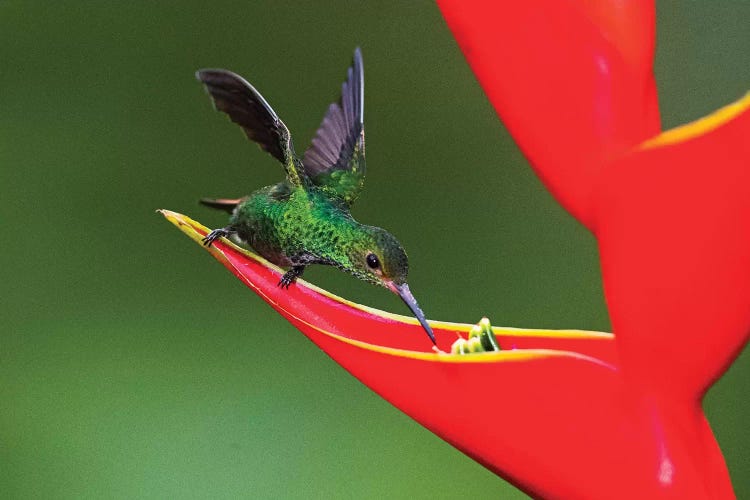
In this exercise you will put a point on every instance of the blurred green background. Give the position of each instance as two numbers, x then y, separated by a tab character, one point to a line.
132	365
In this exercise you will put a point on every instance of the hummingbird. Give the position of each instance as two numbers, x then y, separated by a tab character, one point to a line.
306	218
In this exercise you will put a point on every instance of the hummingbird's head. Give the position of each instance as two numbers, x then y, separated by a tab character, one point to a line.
380	259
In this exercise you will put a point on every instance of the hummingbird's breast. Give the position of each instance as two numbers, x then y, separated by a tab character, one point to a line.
293	226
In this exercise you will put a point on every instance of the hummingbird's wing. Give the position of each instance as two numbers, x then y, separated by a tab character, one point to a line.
233	95
335	161
226	204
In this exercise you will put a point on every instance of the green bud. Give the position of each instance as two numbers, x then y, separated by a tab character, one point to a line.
488	336
476	331
475	345
481	339
459	347
485	325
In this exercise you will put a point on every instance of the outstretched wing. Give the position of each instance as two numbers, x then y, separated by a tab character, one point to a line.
233	95
335	161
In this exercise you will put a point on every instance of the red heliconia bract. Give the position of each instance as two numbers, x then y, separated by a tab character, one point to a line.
573	82
576	414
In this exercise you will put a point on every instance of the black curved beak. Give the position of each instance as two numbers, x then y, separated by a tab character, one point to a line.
405	294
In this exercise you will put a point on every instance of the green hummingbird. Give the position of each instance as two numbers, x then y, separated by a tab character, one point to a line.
305	219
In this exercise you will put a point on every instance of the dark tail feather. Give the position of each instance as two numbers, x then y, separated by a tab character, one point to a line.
225	204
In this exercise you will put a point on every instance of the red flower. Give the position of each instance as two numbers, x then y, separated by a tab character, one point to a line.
568	413
573	82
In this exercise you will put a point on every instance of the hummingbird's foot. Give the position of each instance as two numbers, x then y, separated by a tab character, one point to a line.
291	276
216	234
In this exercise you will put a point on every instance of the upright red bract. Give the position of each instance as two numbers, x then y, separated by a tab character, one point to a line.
577	414
573	83
571	80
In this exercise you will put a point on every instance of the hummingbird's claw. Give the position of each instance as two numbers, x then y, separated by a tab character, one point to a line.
215	235
291	276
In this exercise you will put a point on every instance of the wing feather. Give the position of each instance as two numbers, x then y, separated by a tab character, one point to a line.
246	107
335	161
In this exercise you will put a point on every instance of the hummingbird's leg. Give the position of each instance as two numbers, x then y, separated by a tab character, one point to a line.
291	275
216	234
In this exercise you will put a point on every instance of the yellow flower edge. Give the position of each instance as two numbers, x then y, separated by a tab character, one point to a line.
191	228
699	127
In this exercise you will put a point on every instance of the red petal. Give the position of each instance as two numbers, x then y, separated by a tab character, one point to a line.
552	417
311	305
673	226
572	81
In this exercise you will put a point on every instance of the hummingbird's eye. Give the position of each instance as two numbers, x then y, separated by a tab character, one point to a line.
372	261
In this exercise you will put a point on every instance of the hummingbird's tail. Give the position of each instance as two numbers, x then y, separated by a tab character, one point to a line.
225	204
